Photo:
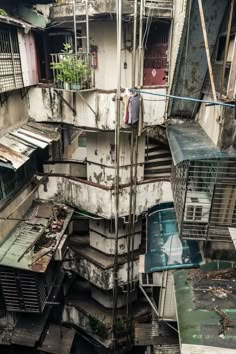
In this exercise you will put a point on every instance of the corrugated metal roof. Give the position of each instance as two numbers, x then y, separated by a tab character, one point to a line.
189	142
16	22
33	243
206	309
18	145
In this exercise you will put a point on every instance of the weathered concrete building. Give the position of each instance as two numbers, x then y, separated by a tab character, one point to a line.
98	100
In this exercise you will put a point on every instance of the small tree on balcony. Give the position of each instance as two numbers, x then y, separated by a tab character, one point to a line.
71	69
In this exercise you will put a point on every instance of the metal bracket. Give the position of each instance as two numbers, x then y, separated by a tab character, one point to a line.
84	100
65	101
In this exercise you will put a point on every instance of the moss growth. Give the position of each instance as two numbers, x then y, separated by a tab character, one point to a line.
98	327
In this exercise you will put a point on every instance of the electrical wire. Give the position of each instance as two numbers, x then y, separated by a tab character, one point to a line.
191	99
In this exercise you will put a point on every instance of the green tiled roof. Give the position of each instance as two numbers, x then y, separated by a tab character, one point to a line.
199	300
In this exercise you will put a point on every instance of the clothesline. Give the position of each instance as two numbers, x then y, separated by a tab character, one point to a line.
232	105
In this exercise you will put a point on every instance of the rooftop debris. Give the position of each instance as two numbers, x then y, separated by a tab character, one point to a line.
225	322
34	241
199	275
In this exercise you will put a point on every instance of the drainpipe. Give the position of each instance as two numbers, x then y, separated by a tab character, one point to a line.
140	47
117	162
134	42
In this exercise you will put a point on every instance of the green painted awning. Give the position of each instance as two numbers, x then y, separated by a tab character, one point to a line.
189	142
201	295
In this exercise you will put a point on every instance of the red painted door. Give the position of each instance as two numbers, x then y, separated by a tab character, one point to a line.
155	58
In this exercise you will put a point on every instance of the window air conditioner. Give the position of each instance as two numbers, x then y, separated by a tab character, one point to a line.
197	207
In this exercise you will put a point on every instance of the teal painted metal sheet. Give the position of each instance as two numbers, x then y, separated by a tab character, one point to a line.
165	249
189	142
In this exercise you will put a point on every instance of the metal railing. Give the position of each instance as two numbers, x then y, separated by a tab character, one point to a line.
73	71
205	198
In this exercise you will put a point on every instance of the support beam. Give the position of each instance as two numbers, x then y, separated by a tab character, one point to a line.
65	101
227	45
204	31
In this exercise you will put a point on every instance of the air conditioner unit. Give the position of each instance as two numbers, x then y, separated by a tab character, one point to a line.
197	207
61	249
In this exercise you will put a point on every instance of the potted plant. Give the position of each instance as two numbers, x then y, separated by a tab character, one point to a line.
71	72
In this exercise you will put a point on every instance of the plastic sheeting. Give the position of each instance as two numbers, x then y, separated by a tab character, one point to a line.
165	249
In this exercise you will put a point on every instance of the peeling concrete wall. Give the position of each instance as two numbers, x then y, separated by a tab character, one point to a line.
101	158
68	168
46	106
102	238
13	112
109	7
103	278
107	245
101	201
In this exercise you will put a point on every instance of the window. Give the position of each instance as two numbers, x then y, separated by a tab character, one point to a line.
11	181
10	62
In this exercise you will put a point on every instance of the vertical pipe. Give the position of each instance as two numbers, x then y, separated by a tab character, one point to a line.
140	47
117	161
87	29
204	31
227	45
134	42
130	220
134	206
75	27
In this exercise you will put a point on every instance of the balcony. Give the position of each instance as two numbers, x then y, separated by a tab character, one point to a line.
160	8
72	71
100	200
92	108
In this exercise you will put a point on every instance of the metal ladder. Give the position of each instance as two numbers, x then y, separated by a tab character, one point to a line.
76	5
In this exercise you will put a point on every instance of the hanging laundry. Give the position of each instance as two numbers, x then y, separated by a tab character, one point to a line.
134	108
126	99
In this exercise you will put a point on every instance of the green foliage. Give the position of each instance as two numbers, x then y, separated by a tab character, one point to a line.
70	69
3	12
98	327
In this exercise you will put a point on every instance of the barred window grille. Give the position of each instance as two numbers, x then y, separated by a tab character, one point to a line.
10	63
11	181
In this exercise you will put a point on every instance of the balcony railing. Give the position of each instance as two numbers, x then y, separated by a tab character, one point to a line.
73	71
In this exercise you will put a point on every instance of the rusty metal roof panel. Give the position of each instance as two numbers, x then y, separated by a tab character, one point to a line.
16	22
11	157
33	243
46	131
18	145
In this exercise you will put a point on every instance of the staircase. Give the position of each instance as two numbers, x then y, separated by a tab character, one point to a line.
157	160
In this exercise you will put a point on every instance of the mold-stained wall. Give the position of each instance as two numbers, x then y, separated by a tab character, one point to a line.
103	278
101	158
45	105
102	237
101	201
